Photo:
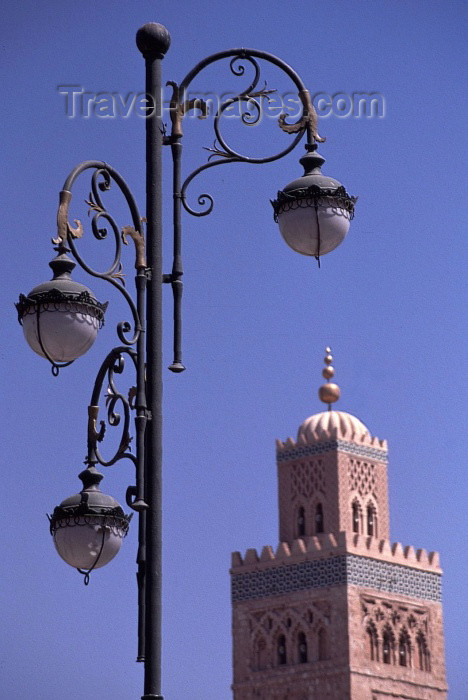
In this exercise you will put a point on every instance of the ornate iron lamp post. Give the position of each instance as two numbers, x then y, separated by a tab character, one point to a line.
61	318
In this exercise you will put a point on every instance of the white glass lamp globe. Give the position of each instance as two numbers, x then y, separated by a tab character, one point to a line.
88	528
314	211
89	543
60	318
65	334
315	233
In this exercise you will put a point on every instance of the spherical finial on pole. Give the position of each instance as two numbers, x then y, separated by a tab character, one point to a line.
329	392
153	40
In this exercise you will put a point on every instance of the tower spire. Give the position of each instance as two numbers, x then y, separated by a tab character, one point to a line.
329	392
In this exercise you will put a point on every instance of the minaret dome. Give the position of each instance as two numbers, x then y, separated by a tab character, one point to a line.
331	424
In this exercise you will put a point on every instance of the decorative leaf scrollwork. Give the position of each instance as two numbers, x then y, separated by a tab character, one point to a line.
308	120
216	151
139	241
118	409
264	92
253	113
93	206
93	434
64	228
251	97
119	275
132	394
178	108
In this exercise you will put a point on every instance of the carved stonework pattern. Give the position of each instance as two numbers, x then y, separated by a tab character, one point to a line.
284	636
397	633
362	478
366	485
307	479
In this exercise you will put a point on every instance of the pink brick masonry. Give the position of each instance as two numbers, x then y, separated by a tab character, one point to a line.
337	612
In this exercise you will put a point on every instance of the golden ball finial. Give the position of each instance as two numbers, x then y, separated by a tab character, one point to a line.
329	392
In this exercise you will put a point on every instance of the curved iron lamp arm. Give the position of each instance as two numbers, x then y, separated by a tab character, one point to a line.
101	181
222	151
309	117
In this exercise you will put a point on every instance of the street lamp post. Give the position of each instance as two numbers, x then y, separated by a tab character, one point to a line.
61	318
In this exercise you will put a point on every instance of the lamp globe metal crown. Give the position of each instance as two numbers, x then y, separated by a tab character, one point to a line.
60	318
314	211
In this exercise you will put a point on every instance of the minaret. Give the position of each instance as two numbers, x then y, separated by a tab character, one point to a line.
334	477
336	612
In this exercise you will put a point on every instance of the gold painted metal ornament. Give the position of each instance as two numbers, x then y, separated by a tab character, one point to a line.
329	392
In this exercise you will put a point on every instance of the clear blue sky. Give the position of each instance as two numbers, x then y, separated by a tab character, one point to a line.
390	301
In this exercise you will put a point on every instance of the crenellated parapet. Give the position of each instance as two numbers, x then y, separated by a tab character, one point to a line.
324	560
327	545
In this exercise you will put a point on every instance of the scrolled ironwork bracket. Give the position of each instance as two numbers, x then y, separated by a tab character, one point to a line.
102	178
221	152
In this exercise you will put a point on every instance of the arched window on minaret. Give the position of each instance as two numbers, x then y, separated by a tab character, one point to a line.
404	649
322	643
372	642
301	522
371	520
423	653
302	648
388	646
260	654
281	657
319	526
357	516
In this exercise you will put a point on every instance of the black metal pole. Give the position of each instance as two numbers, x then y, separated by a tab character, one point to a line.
153	40
177	268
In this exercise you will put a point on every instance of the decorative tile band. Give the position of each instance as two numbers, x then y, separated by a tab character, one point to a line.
393	578
344	569
321	447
